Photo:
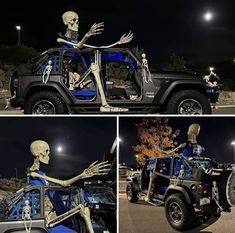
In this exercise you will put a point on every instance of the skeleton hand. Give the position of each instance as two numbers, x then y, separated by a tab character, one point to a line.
84	211
95	29
126	38
96	169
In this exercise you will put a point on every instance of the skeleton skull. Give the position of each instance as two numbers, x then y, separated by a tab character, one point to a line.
70	19
41	150
193	132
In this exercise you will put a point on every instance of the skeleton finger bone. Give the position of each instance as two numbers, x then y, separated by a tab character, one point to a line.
104	166
106	171
103	163
94	163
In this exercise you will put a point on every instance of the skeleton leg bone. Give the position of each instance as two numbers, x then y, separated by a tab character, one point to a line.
73	78
105	106
152	178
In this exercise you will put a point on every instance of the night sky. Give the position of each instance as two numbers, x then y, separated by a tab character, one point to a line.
215	136
83	140
160	27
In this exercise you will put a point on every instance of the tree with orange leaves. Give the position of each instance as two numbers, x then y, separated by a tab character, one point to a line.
156	139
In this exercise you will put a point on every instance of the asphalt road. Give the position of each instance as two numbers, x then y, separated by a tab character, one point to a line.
144	218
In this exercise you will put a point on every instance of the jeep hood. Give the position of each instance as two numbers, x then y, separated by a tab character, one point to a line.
176	75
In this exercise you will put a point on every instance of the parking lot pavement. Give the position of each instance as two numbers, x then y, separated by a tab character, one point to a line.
144	218
11	112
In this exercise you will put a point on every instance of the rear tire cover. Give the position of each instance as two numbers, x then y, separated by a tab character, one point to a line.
230	189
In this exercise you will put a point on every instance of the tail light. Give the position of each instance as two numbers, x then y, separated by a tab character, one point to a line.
202	189
16	83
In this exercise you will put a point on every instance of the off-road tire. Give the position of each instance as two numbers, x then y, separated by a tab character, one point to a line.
179	97
132	195
52	97
186	221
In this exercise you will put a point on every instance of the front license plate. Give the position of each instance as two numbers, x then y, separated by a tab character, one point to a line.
205	201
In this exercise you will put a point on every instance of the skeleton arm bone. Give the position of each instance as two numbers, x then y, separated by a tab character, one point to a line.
81	209
123	40
173	150
94	169
95	29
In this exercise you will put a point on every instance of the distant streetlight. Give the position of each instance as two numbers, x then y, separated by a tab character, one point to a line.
234	60
233	144
18	28
208	16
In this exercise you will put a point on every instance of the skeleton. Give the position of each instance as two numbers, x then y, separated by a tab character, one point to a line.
153	174
145	69
26	216
47	72
193	132
41	151
212	74
70	19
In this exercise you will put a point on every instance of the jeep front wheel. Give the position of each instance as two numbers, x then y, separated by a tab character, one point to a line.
131	193
188	102
45	103
179	214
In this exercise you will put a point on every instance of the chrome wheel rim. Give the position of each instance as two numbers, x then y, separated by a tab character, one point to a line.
43	107
175	212
190	107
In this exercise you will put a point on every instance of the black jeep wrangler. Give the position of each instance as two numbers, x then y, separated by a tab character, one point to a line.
122	79
191	189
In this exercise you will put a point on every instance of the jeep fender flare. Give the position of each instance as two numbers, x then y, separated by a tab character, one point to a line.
177	189
36	87
178	86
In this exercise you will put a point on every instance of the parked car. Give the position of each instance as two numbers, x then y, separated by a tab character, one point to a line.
189	188
122	79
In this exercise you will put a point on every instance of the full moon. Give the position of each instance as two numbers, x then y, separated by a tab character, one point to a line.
208	16
59	148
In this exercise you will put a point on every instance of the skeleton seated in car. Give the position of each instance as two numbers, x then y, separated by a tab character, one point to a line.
41	151
70	40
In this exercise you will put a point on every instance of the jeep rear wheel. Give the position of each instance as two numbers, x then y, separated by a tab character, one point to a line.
45	103
131	193
179	214
188	102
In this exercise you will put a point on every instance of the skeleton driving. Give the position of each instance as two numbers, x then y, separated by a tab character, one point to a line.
41	151
70	40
